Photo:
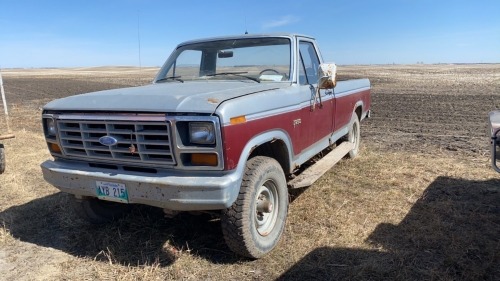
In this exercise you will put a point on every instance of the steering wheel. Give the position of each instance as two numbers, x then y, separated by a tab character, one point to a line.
270	69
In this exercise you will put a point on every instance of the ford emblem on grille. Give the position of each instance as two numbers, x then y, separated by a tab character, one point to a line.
108	141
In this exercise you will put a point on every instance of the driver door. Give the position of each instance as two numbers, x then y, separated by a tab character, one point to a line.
317	118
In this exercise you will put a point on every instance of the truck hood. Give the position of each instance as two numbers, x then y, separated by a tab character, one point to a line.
197	96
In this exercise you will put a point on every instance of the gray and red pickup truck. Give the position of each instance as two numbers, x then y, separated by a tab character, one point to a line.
227	125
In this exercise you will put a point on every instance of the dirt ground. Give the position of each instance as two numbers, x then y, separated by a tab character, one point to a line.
420	202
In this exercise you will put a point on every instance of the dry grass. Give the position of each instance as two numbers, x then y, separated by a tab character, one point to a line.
393	213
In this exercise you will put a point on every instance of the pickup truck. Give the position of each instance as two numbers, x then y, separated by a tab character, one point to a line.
229	125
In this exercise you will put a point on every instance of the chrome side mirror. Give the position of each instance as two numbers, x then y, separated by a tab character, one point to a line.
327	74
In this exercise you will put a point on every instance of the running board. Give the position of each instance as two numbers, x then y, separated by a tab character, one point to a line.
4	137
313	173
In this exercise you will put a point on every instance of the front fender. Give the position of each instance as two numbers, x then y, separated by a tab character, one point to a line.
260	139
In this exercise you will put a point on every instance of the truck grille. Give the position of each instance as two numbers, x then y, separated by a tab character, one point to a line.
150	140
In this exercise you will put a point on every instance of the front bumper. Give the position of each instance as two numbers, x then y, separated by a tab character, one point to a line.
173	190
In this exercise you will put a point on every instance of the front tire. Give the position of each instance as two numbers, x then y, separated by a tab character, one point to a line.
253	225
98	211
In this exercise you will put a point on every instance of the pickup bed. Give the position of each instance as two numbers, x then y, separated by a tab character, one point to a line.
227	125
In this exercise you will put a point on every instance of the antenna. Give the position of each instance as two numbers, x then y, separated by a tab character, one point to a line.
246	28
139	38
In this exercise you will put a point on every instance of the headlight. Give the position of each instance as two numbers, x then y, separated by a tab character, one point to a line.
201	133
51	127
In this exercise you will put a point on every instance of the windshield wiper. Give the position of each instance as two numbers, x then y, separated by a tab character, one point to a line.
238	73
176	78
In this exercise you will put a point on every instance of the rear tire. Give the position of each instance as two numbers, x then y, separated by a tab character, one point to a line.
354	136
253	225
98	211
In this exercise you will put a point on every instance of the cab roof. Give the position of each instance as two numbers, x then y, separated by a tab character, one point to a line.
244	36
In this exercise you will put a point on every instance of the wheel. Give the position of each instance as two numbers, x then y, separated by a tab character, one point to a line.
253	225
98	211
2	159
354	136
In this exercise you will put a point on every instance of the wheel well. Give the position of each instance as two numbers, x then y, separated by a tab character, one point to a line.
274	149
358	112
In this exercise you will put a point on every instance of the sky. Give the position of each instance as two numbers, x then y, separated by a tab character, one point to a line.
89	33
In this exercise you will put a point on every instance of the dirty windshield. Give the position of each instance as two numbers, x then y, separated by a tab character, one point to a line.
252	60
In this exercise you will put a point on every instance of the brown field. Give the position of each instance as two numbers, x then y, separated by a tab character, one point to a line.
420	202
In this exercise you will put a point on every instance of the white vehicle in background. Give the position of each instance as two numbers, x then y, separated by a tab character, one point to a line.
495	138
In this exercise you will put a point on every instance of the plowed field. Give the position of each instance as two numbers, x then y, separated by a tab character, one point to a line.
439	108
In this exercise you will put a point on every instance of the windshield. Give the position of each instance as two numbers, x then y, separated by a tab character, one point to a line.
254	59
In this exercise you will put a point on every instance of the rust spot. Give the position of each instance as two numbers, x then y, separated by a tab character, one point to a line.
213	100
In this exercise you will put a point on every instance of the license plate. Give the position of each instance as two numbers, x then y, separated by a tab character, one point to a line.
112	191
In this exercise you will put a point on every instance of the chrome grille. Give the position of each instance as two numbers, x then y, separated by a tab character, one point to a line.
151	140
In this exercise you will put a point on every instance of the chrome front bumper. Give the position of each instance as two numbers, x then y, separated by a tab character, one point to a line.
173	190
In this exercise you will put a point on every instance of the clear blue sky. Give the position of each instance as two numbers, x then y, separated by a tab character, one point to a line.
95	33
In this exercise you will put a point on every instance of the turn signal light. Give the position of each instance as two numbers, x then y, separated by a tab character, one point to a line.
204	159
54	148
238	120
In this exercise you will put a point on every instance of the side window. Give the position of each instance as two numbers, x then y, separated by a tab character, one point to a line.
309	63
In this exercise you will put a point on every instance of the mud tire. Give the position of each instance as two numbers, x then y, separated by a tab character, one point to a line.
247	231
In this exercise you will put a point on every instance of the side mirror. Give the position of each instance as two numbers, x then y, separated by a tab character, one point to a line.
495	138
327	74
